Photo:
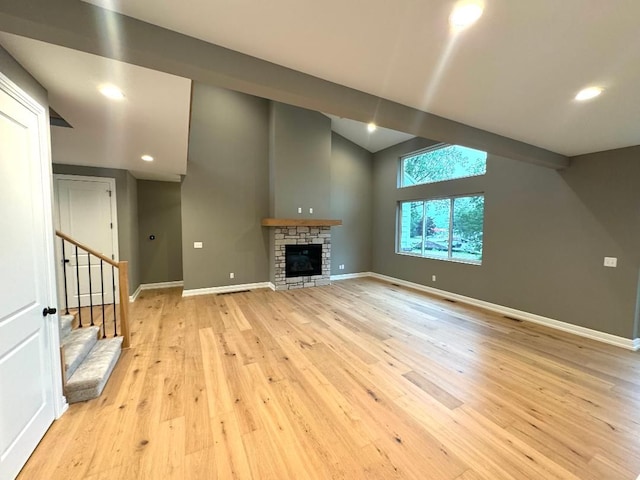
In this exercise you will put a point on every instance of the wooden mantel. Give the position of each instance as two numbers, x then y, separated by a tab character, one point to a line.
299	222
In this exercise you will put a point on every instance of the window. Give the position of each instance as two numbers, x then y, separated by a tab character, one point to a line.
441	163
444	228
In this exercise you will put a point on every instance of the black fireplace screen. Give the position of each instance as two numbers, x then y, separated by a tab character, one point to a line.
303	260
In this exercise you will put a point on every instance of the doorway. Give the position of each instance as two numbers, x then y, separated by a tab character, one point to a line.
86	210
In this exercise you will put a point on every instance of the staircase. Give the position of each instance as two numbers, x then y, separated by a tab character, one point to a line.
88	362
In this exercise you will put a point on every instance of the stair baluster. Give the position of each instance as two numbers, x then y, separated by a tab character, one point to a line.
90	287
104	319
115	318
64	274
78	290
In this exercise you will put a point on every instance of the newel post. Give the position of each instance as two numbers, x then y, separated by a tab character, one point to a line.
123	275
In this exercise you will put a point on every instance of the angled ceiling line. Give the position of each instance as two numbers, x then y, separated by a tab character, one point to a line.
82	26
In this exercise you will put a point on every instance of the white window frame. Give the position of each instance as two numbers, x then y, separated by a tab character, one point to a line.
449	257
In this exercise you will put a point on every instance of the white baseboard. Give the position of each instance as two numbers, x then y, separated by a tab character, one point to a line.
226	289
154	286
346	276
134	297
627	343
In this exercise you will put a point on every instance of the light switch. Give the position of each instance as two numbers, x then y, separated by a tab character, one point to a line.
299	209
610	262
197	244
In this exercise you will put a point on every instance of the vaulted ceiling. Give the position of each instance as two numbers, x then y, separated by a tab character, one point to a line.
514	73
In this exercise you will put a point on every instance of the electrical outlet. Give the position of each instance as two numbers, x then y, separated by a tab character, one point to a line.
433	278
611	262
311	210
341	266
299	209
197	244
232	275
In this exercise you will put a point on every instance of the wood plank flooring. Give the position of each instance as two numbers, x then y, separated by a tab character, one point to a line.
357	380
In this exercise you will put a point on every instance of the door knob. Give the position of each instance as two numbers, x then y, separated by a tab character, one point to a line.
48	311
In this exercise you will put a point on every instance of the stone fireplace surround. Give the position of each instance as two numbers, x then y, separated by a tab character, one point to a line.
301	236
300	232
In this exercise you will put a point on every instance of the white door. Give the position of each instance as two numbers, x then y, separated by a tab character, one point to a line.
86	211
27	284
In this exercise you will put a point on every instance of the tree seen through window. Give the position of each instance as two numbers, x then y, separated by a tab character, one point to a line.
442	163
446	228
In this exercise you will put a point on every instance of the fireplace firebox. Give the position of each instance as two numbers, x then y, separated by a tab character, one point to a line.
303	260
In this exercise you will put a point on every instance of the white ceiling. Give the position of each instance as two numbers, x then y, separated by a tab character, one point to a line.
357	132
514	73
152	119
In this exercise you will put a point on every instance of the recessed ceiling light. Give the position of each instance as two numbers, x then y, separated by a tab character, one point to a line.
589	93
371	127
112	92
147	158
465	14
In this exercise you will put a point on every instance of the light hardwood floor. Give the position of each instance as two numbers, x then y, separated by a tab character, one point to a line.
357	380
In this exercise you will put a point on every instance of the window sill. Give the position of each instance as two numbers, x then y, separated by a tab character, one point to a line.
452	260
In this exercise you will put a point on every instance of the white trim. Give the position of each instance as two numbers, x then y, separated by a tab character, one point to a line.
346	276
114	204
154	286
56	216
603	337
226	289
133	297
60	404
272	286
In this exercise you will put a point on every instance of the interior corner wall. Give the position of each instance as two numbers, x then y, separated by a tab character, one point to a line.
160	216
131	220
127	207
300	153
546	233
351	201
18	75
225	193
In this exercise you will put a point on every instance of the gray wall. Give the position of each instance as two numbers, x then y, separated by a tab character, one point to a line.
225	193
606	184
159	215
127	206
18	75
546	233
300	170
351	201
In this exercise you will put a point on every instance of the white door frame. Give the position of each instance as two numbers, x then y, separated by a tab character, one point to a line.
56	216
52	321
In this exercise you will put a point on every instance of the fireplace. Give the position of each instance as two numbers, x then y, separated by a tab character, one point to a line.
303	260
301	252
301	257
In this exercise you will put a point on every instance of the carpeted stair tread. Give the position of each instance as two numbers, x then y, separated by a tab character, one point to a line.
65	326
91	376
76	347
